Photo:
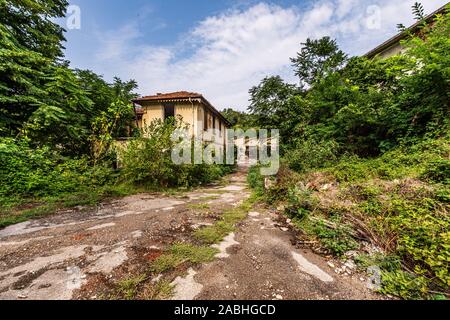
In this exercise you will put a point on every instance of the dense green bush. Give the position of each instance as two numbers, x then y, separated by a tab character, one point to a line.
312	154
425	160
423	229
147	160
438	171
27	172
255	179
370	140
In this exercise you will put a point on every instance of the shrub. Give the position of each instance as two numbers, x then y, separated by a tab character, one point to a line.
312	154
438	171
337	240
39	172
147	160
404	285
300	202
423	233
255	179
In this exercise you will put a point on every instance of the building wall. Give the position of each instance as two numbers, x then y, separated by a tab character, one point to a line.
151	113
188	114
192	114
393	50
211	120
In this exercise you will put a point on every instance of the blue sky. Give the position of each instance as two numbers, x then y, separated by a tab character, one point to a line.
220	48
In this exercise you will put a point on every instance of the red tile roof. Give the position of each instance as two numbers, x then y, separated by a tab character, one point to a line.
182	95
170	96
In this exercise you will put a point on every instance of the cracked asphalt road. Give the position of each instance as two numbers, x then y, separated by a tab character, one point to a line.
72	254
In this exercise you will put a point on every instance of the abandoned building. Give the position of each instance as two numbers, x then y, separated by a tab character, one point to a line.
193	108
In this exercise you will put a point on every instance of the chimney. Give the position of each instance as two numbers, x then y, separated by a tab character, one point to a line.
159	94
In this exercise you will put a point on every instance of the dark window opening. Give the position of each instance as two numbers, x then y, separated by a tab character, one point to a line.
214	122
169	111
205	120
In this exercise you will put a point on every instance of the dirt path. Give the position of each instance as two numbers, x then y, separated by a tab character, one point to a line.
83	254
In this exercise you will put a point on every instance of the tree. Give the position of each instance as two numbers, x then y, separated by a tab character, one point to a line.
237	118
21	77
274	105
62	117
30	42
419	15
424	99
317	59
108	99
32	24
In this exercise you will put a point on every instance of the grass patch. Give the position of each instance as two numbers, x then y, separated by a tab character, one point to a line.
128	287
334	236
180	253
209	198
16	213
136	287
198	206
215	233
226	224
162	290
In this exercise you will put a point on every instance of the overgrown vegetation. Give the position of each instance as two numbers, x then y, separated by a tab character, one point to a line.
366	151
147	160
180	253
227	223
58	126
44	179
139	287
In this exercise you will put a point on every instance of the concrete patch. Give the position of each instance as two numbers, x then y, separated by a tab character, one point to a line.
20	228
186	288
137	203
107	262
200	196
227	242
137	234
63	254
39	263
254	214
102	226
126	213
311	269
19	243
27	227
55	284
233	188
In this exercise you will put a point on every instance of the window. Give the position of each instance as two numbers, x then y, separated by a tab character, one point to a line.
169	111
214	122
205	120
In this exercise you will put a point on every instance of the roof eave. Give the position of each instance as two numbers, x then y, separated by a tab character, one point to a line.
402	35
199	99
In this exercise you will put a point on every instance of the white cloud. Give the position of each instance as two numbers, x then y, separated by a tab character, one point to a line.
225	55
114	44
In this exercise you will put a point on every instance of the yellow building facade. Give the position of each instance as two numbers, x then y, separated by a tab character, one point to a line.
205	122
